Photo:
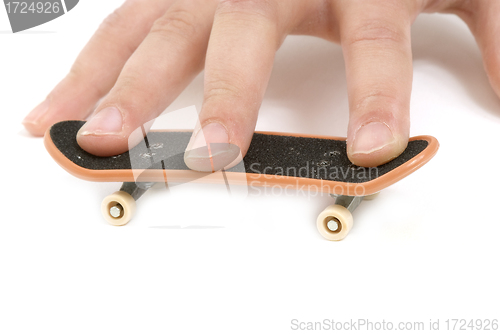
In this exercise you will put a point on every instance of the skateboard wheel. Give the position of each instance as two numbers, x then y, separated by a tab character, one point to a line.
335	222
370	197
118	208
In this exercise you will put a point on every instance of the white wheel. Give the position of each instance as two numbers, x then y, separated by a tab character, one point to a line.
118	208
335	222
370	197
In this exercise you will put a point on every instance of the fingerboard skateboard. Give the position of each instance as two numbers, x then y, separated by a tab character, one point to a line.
284	160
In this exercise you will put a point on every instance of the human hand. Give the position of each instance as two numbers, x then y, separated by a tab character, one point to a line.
146	53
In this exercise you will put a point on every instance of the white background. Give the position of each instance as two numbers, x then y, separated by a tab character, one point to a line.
426	248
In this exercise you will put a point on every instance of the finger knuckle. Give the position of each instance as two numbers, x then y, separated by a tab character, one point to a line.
375	31
263	8
220	88
114	21
446	5
378	97
181	22
84	72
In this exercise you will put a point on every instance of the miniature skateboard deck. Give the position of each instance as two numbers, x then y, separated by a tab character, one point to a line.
273	159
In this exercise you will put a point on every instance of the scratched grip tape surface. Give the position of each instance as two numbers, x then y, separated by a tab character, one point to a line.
268	154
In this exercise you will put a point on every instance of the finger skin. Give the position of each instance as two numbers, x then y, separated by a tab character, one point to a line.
97	66
375	38
162	66
240	55
482	17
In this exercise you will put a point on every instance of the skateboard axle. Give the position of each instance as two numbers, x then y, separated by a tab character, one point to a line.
348	202
136	190
333	225
116	211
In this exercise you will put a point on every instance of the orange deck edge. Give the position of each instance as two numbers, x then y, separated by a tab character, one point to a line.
262	180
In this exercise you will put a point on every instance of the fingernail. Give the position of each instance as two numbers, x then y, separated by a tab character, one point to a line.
372	137
107	121
37	113
210	149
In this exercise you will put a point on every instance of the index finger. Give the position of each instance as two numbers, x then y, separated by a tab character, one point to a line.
97	66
